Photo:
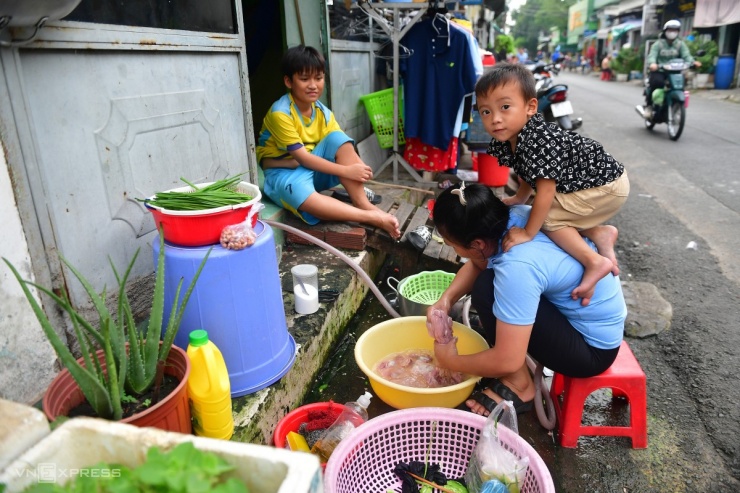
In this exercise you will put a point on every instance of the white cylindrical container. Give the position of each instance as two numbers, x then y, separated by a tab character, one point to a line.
306	288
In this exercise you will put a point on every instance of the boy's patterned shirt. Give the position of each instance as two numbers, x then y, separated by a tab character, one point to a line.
544	150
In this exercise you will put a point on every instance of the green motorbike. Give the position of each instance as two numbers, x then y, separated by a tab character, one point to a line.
669	102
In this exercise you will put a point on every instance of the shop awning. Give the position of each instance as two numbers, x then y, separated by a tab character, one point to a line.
603	33
710	13
624	27
622	7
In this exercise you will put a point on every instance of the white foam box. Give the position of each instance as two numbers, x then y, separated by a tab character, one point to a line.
21	427
83	442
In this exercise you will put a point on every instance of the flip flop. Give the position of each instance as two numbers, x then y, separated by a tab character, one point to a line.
495	385
341	194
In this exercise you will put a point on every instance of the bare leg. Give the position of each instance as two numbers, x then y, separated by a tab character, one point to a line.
604	237
595	266
356	190
330	209
520	382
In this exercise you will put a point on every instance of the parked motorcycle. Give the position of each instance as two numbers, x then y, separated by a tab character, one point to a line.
670	102
552	99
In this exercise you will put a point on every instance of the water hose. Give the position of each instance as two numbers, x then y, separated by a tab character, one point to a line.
363	275
547	419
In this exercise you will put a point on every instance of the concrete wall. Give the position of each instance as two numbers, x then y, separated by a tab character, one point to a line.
26	357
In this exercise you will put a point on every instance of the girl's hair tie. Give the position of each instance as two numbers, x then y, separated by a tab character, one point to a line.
460	192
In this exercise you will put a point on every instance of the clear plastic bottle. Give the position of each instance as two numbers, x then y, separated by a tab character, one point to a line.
209	388
354	414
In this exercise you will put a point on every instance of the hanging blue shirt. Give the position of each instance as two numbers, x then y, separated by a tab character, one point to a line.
435	79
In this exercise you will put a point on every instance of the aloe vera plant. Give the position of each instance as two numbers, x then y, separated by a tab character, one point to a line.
129	372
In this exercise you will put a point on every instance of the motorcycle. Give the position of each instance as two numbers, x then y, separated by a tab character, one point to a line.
670	102
552	99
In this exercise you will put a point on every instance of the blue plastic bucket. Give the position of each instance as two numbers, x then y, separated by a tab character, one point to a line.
238	299
724	72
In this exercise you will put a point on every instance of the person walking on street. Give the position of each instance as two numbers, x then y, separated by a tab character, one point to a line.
668	47
606	67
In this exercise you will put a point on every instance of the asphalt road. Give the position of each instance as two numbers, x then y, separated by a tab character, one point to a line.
682	191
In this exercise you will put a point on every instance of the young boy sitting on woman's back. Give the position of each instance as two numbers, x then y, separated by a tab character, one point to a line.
578	184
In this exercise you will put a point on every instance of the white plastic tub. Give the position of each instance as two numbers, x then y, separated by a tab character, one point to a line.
83	442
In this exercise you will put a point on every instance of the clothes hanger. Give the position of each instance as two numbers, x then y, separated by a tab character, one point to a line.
385	51
446	34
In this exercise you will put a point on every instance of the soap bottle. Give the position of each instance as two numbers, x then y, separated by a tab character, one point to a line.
209	389
353	415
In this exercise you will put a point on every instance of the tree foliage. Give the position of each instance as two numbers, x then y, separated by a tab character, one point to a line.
537	17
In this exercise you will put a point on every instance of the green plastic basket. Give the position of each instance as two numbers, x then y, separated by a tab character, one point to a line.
425	287
379	106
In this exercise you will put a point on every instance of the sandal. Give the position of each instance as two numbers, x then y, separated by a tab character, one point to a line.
341	194
495	385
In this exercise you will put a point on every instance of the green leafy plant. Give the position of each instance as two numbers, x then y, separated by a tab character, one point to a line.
134	371
707	59
183	469
626	60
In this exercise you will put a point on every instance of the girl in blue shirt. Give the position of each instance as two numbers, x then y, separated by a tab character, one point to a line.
523	299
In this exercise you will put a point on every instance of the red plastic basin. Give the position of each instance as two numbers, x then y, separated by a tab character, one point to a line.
294	419
201	228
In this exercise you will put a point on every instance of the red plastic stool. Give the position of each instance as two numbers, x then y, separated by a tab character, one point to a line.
626	379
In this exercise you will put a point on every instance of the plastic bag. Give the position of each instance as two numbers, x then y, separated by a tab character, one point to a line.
491	459
240	236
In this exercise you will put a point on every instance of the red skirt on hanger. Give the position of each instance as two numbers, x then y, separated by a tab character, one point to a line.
424	157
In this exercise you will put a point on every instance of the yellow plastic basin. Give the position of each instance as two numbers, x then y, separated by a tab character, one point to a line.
400	334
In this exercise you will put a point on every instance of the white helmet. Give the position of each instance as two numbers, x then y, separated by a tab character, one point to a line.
673	24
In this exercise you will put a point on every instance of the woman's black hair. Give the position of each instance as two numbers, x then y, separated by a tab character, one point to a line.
503	73
483	216
303	59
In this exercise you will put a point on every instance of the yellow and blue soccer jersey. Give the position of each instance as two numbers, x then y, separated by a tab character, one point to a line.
285	129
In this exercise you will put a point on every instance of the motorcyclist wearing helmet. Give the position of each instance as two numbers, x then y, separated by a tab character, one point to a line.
668	47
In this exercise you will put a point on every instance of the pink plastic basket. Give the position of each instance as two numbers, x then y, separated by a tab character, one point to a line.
364	461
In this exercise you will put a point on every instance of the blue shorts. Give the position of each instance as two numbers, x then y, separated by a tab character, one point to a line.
289	188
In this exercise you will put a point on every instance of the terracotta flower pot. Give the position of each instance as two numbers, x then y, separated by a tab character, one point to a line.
171	413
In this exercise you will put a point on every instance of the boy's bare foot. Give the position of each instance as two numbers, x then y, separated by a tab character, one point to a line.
605	237
388	222
594	272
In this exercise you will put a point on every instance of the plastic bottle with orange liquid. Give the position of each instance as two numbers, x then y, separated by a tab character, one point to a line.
209	389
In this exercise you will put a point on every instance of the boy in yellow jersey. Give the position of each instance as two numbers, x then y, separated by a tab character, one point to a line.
303	151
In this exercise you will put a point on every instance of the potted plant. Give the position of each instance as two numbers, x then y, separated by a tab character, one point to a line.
706	52
623	63
122	365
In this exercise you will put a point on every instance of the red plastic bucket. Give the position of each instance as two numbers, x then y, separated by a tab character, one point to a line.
294	419
490	173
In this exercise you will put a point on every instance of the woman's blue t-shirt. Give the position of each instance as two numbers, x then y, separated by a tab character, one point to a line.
541	268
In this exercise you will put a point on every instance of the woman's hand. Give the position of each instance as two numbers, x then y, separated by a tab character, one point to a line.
514	237
439	326
446	353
